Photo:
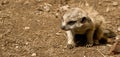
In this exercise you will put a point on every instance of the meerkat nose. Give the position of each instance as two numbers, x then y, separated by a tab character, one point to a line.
63	27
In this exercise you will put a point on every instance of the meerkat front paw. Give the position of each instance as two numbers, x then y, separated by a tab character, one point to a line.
89	44
70	46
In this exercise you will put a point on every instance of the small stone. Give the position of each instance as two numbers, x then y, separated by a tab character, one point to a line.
117	38
38	12
38	20
47	7
33	54
17	0
108	9
109	45
39	0
26	43
115	3
57	34
26	2
16	46
66	7
1	35
99	3
57	14
118	29
49	35
2	47
26	28
86	4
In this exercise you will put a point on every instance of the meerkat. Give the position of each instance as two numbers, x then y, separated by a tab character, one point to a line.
79	21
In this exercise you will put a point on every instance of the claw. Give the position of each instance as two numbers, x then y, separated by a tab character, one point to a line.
89	45
70	46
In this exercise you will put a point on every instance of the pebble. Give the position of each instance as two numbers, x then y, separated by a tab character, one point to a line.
2	47
57	34
115	3
57	14
17	47
118	29
17	0
26	43
33	54
109	45
108	9
66	7
26	2
39	0
26	28
99	3
47	6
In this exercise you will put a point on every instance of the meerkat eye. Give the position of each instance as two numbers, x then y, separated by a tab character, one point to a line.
83	19
71	22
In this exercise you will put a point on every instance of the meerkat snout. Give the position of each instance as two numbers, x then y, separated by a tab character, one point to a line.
63	27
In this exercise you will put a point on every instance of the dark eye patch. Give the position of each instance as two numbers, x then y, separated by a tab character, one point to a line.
72	22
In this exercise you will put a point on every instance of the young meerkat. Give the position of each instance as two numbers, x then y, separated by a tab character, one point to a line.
79	21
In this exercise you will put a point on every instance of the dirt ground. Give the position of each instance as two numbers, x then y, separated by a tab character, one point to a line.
31	28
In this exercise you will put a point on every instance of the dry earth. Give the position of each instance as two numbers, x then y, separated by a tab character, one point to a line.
31	28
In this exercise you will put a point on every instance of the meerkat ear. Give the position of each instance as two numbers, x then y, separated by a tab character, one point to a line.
88	19
83	19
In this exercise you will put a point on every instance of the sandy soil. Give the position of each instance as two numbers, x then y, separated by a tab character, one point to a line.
31	28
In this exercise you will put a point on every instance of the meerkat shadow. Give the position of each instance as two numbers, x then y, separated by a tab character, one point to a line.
82	39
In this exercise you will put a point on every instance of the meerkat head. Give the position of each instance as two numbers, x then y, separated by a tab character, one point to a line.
74	18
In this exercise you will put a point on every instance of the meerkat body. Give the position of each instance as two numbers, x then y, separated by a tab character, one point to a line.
80	21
